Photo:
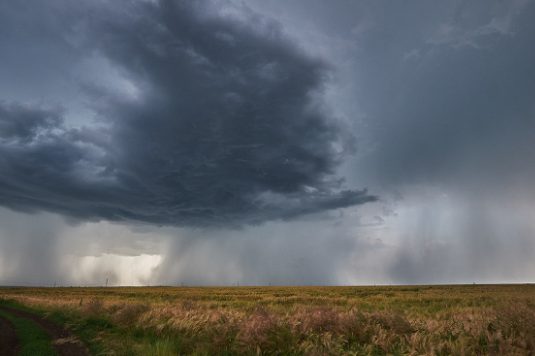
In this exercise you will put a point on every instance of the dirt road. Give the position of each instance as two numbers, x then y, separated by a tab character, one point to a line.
9	343
63	341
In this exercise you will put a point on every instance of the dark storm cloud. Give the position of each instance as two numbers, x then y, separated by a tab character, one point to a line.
220	127
21	123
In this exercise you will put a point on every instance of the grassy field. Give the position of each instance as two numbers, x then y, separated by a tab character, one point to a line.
416	320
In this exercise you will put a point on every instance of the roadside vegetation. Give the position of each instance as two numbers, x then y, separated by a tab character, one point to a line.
408	320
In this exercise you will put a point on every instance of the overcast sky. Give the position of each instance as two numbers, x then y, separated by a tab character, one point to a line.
218	142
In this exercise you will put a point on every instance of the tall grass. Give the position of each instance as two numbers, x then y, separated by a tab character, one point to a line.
420	320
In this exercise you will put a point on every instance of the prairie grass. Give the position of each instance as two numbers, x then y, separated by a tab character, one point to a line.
403	320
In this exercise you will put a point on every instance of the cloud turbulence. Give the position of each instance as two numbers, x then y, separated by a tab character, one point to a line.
219	124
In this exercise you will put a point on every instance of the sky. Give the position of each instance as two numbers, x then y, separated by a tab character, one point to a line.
266	142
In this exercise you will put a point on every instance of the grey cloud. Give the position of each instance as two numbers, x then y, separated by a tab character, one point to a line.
22	123
222	127
449	107
459	110
444	93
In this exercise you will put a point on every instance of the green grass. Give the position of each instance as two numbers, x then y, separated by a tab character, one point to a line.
34	340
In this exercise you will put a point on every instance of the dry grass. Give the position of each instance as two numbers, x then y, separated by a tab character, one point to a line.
419	320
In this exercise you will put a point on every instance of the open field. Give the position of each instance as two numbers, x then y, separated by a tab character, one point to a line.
441	320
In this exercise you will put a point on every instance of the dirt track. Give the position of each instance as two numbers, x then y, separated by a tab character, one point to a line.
63	341
9	343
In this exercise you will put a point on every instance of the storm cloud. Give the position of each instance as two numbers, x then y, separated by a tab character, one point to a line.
222	142
213	121
441	98
452	101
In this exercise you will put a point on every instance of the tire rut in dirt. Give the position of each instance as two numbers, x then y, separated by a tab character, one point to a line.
9	342
63	341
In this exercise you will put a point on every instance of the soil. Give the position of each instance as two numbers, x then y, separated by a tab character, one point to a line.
63	341
9	343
